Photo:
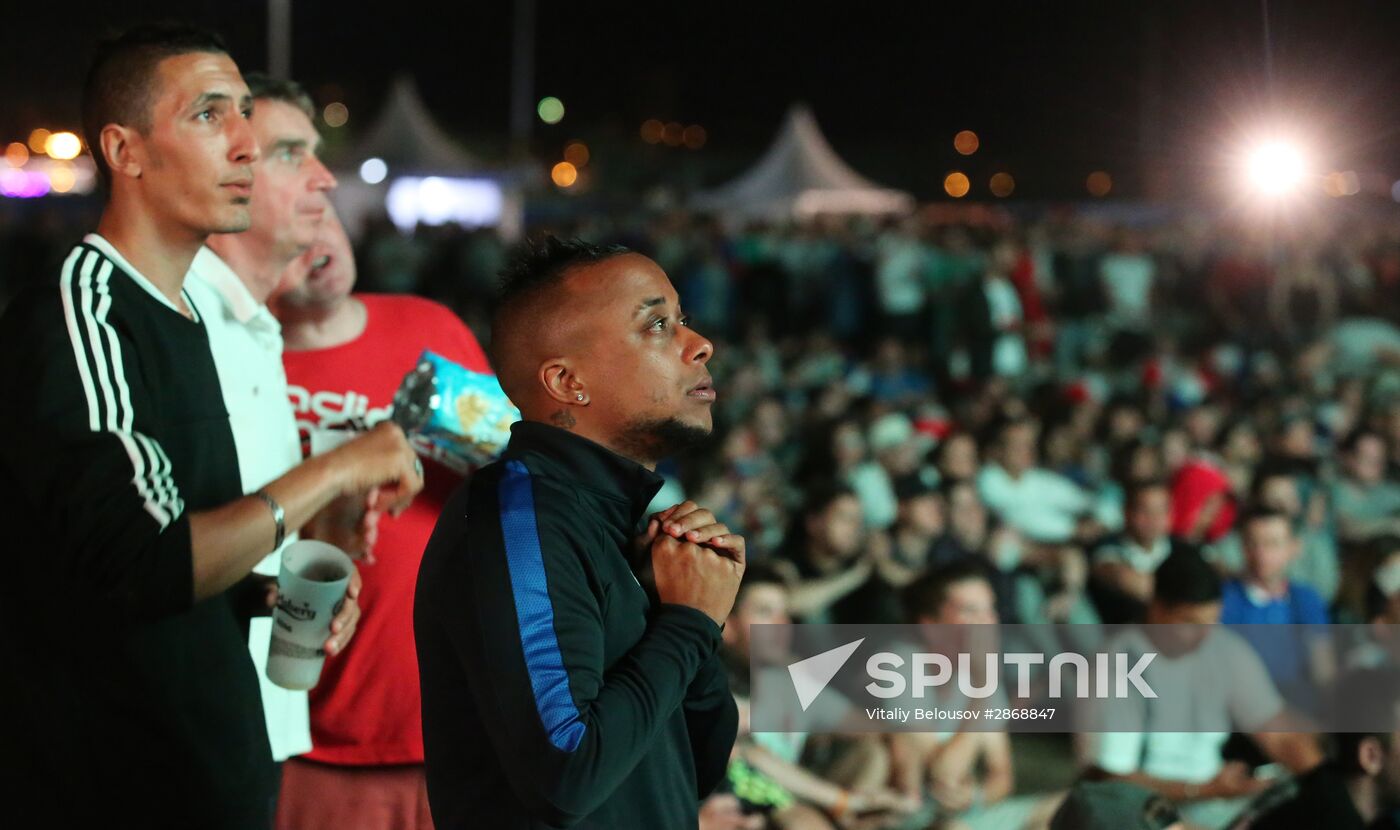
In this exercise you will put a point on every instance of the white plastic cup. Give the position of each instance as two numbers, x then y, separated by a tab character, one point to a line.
310	592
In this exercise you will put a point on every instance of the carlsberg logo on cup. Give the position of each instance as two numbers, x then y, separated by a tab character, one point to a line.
291	609
310	592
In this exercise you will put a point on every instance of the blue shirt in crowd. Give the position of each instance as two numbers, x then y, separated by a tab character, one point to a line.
1286	657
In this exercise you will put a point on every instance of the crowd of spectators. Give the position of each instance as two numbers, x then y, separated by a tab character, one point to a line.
1048	408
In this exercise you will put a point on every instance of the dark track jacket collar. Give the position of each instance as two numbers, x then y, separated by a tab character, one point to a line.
589	463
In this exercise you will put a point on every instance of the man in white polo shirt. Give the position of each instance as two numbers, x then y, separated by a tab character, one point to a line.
1041	504
232	278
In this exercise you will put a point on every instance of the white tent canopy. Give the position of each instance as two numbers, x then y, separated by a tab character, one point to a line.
801	176
407	138
428	177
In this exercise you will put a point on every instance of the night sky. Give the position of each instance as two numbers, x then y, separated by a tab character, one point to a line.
1054	89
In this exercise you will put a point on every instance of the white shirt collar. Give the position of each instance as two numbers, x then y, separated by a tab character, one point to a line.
108	250
1259	596
1160	549
1146	558
239	301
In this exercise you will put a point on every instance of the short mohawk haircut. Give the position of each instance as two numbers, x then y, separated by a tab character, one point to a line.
537	265
543	261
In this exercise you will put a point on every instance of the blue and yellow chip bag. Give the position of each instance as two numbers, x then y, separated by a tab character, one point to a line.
453	415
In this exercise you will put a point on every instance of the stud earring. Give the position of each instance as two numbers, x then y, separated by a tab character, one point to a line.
580	396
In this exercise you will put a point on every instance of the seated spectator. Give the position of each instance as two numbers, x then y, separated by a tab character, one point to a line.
891	379
1130	461
1064	451
898	450
1366	501
1264	595
1127	273
899	282
1359	786
871	479
973	534
771	424
898	446
956	457
1203	503
1115	805
1042	505
834	448
969	525
992	321
1381	645
765	770
1275	487
965	776
1293	445
824	555
899	557
1209	682
1122	566
1052	588
1239	451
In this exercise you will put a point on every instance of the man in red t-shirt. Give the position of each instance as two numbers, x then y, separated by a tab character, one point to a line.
345	356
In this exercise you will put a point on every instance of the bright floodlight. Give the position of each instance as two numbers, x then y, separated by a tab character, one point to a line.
1276	168
373	171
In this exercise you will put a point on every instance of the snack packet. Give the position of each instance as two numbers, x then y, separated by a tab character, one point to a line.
453	415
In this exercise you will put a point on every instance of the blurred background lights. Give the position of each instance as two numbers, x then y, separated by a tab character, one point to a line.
63	146
1338	184
16	154
956	184
1002	185
23	184
966	142
564	174
652	131
1275	168
551	110
694	136
336	114
1099	183
38	139
62	178
373	171
438	200
434	196
577	154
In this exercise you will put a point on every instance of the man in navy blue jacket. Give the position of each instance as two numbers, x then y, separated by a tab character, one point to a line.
557	691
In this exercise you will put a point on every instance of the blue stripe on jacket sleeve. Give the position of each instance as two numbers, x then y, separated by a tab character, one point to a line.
533	611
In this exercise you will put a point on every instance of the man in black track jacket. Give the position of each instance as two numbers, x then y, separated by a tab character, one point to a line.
557	691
